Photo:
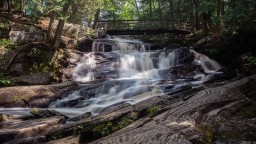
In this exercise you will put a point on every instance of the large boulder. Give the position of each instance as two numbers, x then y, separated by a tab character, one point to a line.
21	33
41	78
29	128
186	71
184	55
36	96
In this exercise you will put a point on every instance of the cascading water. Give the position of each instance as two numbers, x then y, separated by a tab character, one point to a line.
131	74
141	74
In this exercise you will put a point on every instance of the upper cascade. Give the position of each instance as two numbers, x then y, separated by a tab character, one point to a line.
133	73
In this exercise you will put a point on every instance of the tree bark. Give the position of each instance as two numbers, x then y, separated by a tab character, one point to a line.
219	13
50	27
196	15
171	7
159	8
191	13
137	8
206	20
22	6
96	19
150	8
9	6
58	33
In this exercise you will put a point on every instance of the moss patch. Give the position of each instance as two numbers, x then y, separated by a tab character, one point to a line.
153	110
208	133
111	127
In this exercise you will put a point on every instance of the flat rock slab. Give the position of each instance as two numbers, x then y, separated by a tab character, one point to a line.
221	114
67	140
29	128
37	96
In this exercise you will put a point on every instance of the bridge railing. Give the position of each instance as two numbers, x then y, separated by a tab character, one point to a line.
142	25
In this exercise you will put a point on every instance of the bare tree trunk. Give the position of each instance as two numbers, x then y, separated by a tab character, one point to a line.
150	7
191	13
179	11
206	20
58	33
219	13
159	8
196	14
171	7
137	8
50	27
96	19
9	6
22	6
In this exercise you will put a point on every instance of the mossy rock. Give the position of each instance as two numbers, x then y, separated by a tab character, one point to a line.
103	129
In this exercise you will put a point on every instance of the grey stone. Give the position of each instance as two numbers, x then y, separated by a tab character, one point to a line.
33	79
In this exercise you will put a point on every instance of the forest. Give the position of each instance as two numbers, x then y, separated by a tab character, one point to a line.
127	71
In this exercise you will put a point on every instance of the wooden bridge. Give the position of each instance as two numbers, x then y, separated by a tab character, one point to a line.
142	27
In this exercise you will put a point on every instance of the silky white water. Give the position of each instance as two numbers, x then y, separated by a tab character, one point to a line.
141	74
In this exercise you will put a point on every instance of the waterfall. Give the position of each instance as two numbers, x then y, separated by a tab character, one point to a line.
142	74
87	63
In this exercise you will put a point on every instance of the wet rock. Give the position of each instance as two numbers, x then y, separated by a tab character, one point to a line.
184	55
186	71
215	115
29	128
33	79
74	56
81	117
85	45
106	66
45	113
2	117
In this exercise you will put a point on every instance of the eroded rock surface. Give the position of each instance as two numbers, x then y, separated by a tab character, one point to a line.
41	78
29	128
219	114
37	96
223	114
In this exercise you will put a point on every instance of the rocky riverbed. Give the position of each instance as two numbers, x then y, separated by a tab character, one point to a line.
224	113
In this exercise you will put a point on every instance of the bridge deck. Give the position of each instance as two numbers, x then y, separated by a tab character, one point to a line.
140	27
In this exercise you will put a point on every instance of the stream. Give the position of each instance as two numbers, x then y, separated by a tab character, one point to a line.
132	73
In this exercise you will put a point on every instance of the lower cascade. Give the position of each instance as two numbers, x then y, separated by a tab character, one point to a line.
132	72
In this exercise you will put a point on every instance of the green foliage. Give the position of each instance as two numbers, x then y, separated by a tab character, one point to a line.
7	43
58	62
209	133
103	129
4	81
207	6
77	129
125	121
249	60
110	127
55	137
41	62
153	110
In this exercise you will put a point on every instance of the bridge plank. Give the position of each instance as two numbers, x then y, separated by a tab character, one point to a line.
141	27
